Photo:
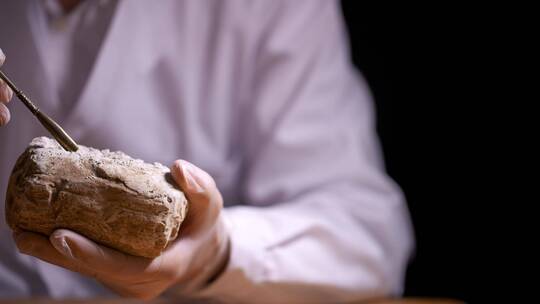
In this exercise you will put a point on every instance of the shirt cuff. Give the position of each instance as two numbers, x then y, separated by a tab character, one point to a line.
249	261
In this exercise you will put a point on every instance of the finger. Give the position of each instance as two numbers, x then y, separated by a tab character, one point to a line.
5	116
127	275
142	290
110	263
5	92
40	247
67	255
205	201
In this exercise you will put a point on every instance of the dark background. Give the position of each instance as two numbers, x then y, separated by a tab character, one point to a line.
422	64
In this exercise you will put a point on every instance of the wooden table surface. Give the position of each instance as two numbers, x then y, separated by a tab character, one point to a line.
125	301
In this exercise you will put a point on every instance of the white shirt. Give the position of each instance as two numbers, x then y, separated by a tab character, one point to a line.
71	42
260	94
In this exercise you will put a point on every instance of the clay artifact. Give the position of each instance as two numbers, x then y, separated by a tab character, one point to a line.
109	197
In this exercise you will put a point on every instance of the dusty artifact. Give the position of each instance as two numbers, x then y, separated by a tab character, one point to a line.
109	197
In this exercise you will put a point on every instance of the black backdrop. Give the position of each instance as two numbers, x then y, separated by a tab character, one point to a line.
416	60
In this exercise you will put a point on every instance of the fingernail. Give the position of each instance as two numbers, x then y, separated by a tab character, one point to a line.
192	183
60	244
9	92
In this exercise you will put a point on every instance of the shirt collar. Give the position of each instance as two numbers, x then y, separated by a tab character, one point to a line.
54	9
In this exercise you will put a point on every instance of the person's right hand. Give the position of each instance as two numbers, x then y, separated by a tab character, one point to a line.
5	96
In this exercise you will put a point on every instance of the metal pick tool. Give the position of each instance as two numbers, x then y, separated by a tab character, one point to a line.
56	131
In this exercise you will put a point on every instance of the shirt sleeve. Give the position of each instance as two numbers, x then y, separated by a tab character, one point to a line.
321	222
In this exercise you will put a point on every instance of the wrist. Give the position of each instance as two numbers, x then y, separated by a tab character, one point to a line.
223	259
210	261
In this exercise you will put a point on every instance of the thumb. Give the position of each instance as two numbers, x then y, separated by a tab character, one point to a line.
205	201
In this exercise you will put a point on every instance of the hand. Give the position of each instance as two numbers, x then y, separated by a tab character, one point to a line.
5	96
200	253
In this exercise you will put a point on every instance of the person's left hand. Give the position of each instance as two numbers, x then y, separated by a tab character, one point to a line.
200	252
